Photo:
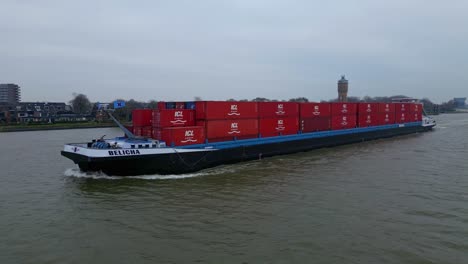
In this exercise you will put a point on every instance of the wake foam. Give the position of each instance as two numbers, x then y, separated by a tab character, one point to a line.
77	173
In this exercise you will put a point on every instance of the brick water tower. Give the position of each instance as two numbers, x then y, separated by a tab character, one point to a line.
343	89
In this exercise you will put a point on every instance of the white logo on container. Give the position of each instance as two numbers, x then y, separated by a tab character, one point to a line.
344	121
179	118
234	129
233	110
280	109
345	108
280	125
316	110
189	134
387	108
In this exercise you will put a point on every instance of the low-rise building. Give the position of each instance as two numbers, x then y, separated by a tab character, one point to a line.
44	112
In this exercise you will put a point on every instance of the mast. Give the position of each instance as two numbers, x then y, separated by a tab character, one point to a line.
125	130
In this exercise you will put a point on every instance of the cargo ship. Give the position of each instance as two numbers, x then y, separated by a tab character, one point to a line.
185	137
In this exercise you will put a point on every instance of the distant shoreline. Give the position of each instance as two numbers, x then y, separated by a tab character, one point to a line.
447	113
24	128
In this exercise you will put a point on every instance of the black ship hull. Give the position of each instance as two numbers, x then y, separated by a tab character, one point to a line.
187	162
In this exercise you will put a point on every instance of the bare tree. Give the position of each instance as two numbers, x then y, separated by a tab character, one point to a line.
125	113
81	104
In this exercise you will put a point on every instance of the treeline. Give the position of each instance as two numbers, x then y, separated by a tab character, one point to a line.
429	106
82	105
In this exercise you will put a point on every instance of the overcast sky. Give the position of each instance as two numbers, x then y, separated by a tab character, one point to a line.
220	49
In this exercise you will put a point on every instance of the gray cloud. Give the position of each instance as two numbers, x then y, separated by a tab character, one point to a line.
175	50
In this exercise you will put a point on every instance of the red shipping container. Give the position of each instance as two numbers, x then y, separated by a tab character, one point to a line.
211	110
416	117
343	122
386	119
161	106
386	108
340	109
401	118
143	131
173	118
142	117
367	120
278	109
315	110
231	128
180	136
200	123
129	128
270	127
403	107
368	108
416	108
313	124
137	131
147	131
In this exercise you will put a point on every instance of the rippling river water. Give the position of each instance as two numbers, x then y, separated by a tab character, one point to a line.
399	200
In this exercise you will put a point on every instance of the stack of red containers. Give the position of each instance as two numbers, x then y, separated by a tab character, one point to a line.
224	121
416	112
368	114
173	118
278	118
343	115
142	122
315	117
403	113
177	127
386	114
